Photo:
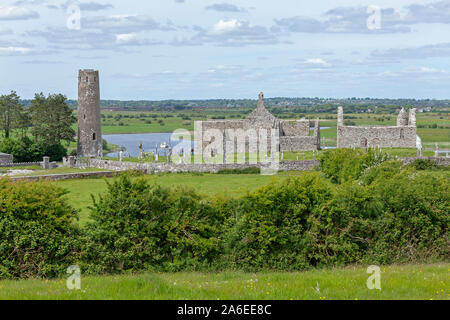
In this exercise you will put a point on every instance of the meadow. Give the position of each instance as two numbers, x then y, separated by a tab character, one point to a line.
398	282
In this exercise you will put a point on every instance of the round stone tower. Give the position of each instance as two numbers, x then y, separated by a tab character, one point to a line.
89	121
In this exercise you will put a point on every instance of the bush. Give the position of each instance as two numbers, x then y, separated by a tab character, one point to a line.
250	170
23	150
37	235
271	230
342	165
424	164
138	226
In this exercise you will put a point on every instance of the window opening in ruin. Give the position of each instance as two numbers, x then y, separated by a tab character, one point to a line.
93	136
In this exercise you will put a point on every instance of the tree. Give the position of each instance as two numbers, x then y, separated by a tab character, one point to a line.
11	113
52	119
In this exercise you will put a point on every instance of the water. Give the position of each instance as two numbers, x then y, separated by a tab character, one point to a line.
130	142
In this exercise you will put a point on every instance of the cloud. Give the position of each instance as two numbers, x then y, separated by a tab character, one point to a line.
435	12
420	52
123	23
354	19
5	31
104	33
14	51
230	32
17	13
344	20
225	7
86	6
131	39
318	62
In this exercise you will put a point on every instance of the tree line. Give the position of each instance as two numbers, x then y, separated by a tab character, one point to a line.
43	128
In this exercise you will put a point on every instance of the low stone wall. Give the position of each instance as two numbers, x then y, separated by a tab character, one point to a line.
5	158
440	161
19	164
190	167
66	176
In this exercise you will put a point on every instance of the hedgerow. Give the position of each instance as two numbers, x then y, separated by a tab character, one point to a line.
375	211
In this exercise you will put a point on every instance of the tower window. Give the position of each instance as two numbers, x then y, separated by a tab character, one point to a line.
94	136
87	79
95	79
84	116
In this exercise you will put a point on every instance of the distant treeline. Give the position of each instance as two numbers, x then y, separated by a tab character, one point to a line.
301	105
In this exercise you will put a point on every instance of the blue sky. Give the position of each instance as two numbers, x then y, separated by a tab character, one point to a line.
199	49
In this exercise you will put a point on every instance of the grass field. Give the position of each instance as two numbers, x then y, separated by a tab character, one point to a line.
209	184
425	282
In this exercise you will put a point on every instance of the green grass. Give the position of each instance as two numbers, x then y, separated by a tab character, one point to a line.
423	282
209	184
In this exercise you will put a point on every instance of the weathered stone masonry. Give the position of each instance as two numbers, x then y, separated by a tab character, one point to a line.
404	135
89	120
293	136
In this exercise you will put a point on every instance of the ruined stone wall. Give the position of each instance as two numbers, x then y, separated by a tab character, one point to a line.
205	168
292	137
383	137
6	158
298	144
298	128
89	120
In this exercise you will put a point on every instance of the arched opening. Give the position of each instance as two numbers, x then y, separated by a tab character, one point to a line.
87	79
94	137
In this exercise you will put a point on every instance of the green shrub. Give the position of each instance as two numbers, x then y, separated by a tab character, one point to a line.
37	235
342	165
138	226
272	223
424	164
250	170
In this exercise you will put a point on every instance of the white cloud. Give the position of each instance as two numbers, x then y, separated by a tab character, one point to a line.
225	26
126	37
14	50
317	62
17	13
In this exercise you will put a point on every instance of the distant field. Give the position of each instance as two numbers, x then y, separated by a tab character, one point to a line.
423	282
432	127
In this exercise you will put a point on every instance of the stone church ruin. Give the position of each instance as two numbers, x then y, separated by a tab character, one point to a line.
260	132
403	135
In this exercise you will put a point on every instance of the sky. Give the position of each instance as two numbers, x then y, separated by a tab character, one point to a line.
205	49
